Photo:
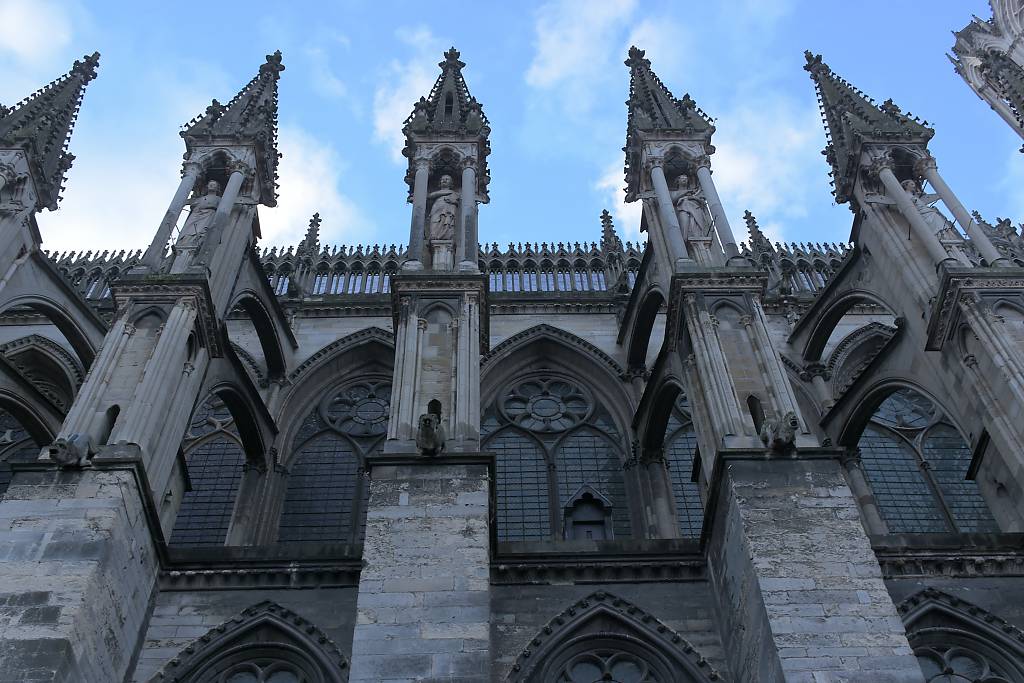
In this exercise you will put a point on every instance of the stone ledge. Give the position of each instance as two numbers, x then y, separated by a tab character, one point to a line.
959	555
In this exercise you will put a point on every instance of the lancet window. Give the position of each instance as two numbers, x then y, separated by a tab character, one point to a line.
324	500
558	462
214	458
916	463
15	446
680	449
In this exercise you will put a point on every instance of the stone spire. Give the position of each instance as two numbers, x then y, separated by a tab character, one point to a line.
449	113
609	238
654	111
851	119
310	244
759	243
449	106
42	124
249	118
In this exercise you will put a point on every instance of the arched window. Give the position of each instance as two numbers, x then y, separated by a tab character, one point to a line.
214	457
916	463
320	282
680	449
555	444
324	499
15	446
605	638
266	643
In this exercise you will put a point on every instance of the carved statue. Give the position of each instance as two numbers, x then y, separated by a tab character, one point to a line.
443	210
779	435
691	209
430	436
925	205
74	450
200	217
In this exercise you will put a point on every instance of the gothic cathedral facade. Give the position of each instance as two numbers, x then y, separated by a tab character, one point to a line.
688	460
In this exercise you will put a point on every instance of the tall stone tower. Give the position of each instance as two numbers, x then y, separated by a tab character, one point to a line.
115	460
432	485
989	56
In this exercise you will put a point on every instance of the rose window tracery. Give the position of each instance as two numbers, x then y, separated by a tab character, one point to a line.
957	665
546	404
359	409
607	665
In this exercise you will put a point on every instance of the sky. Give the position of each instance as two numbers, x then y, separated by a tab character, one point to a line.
551	79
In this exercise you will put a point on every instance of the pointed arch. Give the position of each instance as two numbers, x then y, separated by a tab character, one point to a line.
45	364
264	635
63	320
602	631
573	353
827	320
263	321
946	632
643	325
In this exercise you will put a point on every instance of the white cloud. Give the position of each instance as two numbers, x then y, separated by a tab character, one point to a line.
767	161
310	176
325	80
627	216
403	84
33	30
572	54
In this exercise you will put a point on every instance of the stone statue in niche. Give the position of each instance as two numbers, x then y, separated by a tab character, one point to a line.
691	210
200	217
443	211
925	205
779	436
430	435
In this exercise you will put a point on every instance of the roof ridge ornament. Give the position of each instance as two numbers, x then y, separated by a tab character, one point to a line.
42	124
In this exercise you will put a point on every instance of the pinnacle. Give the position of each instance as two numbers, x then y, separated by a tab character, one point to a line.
852	118
251	117
42	124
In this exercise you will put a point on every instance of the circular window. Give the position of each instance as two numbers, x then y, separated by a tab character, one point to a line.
359	409
546	404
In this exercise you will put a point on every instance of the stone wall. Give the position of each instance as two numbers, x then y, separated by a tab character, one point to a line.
519	612
179	617
77	570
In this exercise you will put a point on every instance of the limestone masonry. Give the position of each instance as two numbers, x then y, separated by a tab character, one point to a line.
686	460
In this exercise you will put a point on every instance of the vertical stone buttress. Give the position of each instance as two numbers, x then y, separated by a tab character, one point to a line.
424	592
82	529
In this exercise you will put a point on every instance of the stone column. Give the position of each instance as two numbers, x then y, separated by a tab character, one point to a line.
800	591
936	252
414	261
818	373
712	371
155	252
423	611
467	246
929	169
722	227
671	231
852	465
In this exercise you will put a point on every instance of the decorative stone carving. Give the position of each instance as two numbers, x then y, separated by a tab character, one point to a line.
430	435
694	219
925	205
779	435
443	210
200	217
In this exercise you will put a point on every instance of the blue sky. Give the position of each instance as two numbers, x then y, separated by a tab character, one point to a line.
551	80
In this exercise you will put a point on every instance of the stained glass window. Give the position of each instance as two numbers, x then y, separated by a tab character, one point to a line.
551	438
680	449
916	463
324	497
214	458
15	446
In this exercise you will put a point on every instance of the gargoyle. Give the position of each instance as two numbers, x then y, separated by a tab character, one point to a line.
779	435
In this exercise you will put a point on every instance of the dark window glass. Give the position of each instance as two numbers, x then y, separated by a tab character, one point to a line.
215	470
521	490
679	451
321	491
